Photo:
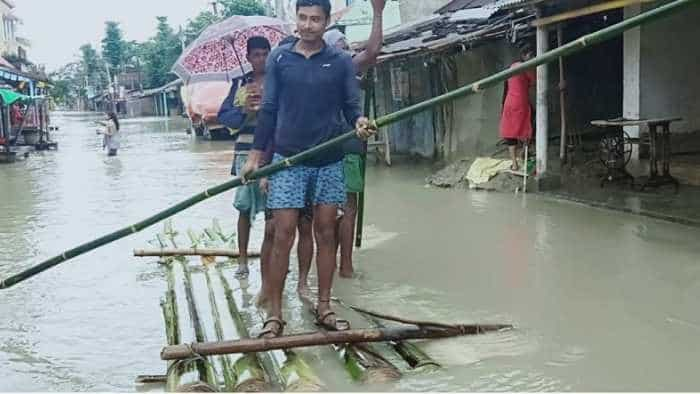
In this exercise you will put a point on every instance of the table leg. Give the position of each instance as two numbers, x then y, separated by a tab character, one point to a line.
653	165
667	150
667	157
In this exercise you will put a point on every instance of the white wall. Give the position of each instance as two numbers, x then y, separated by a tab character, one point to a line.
662	60
631	72
415	9
669	69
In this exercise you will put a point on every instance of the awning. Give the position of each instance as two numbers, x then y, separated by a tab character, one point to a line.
13	76
10	97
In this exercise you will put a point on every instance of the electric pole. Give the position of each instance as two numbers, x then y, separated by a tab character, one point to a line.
112	90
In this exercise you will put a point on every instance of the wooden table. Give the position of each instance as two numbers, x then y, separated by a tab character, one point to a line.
655	180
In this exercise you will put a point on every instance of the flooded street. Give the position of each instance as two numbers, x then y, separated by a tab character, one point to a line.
600	300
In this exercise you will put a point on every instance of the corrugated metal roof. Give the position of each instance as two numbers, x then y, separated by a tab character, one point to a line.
473	14
500	4
457	5
466	27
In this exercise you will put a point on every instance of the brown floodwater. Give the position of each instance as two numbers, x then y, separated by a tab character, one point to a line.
600	300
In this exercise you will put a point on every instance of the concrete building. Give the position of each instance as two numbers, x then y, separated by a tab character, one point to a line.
356	20
412	10
660	63
646	73
9	42
428	57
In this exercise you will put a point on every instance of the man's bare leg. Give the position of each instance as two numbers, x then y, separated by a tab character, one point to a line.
285	232
243	237
346	236
305	253
265	261
325	232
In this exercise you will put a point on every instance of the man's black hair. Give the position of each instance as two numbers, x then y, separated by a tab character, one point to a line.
324	4
257	42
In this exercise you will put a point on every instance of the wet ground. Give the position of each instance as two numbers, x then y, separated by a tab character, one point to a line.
602	300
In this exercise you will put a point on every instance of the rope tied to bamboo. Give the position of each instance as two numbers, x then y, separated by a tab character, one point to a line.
194	356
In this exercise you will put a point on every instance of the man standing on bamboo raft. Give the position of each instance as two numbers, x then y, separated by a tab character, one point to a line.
354	149
307	83
238	112
353	167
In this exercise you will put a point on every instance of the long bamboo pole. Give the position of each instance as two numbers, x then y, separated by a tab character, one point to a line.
321	338
207	371
562	99
186	374
475	87
191	252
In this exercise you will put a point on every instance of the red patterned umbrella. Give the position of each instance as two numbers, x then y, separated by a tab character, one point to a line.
219	53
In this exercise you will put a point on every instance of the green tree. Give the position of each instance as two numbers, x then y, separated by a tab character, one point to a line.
161	53
241	7
93	67
68	84
114	46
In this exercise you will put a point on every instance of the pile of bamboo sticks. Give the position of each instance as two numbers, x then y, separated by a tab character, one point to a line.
204	304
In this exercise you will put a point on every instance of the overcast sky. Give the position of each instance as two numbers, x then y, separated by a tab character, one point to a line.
57	28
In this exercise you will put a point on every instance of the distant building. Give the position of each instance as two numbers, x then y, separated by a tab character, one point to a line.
15	69
412	10
10	43
355	20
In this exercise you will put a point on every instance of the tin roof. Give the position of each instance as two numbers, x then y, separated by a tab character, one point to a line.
467	28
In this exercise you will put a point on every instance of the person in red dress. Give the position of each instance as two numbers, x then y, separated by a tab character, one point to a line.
516	119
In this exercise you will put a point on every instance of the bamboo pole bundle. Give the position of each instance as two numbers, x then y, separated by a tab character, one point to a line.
182	375
285	368
210	323
362	362
412	354
240	372
366	365
572	47
248	373
206	369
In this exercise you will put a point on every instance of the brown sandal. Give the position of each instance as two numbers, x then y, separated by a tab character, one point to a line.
335	324
268	332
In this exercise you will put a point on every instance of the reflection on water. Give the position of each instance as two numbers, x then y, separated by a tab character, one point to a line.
599	299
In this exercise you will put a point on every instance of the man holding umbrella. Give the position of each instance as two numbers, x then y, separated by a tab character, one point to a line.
306	84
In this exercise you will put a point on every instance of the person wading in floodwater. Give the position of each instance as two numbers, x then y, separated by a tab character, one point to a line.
110	134
238	112
355	150
516	120
306	85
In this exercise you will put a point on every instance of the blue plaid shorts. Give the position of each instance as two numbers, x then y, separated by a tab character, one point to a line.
301	186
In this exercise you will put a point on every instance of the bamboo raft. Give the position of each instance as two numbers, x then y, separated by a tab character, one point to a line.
211	346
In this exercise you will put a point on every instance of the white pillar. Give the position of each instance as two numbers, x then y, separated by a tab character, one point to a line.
542	114
630	76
